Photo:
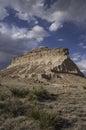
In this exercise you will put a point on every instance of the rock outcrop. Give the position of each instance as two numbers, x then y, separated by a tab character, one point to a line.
42	56
43	63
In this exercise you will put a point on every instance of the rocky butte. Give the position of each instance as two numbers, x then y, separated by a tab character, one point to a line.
43	63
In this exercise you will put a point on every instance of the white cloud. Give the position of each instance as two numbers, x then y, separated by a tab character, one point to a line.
82	65
36	33
82	40
30	8
59	12
3	11
54	26
56	18
76	56
27	9
15	41
60	40
82	45
10	43
80	60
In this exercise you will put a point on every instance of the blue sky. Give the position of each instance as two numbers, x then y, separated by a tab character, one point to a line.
28	24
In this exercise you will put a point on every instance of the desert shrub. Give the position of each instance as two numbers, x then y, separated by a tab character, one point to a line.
34	113
31	96
38	93
3	96
13	108
22	93
46	120
41	93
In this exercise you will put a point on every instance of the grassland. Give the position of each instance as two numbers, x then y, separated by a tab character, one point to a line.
26	105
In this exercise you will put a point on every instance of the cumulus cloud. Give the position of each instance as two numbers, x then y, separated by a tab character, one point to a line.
14	33
61	11
82	45
80	60
3	11
55	26
16	41
60	40
76	56
58	13
37	33
82	65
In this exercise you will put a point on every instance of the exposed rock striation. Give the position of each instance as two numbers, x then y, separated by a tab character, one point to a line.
42	56
43	63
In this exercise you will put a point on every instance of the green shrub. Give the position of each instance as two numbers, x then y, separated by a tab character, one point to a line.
40	93
34	113
46	120
3	96
13	108
31	96
22	93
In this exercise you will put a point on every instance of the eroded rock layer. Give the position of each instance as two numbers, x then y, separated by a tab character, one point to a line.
43	63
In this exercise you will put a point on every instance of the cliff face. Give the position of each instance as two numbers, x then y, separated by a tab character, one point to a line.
43	63
41	56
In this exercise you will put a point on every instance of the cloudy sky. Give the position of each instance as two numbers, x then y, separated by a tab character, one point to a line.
27	24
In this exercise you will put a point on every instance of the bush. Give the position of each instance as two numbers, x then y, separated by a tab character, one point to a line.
41	93
34	113
46	120
36	94
19	93
3	96
13	108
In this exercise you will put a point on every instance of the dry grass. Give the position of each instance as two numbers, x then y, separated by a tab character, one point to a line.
33	106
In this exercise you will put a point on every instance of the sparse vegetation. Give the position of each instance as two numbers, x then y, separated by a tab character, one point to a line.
47	120
22	93
41	93
38	93
36	108
12	108
3	96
